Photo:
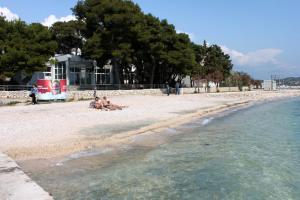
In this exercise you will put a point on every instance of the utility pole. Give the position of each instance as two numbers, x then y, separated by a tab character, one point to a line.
277	79
272	76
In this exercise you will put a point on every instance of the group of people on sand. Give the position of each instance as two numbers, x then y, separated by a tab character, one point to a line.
105	104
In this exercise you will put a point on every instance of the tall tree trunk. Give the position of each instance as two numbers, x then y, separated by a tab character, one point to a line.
116	72
121	74
152	72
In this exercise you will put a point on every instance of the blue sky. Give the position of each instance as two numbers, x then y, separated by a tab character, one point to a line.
262	36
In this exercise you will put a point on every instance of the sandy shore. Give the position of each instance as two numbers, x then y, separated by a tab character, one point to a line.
57	129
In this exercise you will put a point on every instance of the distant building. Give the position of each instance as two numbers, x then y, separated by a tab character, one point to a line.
269	85
186	82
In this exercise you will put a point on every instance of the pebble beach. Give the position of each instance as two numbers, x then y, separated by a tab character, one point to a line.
58	129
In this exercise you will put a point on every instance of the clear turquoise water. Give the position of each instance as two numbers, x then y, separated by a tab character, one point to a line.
248	154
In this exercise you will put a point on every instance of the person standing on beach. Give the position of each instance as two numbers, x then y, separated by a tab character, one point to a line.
33	94
168	88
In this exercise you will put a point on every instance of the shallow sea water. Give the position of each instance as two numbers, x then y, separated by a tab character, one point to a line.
252	153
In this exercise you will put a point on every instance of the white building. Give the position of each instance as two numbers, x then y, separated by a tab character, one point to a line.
77	71
269	85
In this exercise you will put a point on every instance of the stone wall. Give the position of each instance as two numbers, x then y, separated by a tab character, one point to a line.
14	94
213	90
89	94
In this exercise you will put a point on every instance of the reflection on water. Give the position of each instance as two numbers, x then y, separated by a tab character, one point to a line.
249	154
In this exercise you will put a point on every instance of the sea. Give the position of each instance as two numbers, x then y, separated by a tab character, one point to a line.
249	153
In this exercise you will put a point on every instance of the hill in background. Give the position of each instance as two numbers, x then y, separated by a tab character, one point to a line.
292	81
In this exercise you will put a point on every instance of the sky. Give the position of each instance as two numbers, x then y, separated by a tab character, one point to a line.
261	36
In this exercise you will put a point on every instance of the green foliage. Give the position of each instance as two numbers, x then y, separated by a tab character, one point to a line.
212	63
118	31
68	36
142	48
24	47
217	65
240	79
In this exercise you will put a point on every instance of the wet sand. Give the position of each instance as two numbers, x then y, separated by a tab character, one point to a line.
58	129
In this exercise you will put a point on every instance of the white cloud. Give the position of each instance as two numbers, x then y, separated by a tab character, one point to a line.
5	12
191	35
258	57
52	19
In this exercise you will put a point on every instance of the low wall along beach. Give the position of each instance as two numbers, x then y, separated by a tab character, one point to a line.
89	94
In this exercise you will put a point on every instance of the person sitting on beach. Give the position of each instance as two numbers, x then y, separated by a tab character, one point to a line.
107	104
97	103
92	104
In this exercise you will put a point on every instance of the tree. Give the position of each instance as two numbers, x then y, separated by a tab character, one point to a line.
41	46
148	50
24	47
212	63
3	39
68	36
118	31
140	47
217	64
181	57
109	23
240	79
163	54
13	57
257	83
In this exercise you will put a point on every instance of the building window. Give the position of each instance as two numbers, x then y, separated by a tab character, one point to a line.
89	75
102	76
74	76
80	76
60	71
